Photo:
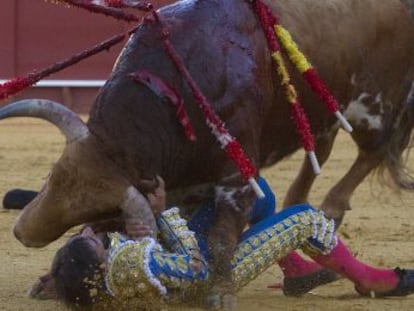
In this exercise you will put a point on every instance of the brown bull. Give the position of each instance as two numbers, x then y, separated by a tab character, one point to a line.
362	49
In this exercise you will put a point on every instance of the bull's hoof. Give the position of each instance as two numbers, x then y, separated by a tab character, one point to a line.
217	300
18	198
337	218
404	287
335	207
338	221
299	286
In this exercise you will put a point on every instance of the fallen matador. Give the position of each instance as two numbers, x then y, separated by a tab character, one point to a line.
146	272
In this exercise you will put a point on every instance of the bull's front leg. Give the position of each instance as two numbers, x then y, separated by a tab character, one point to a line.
298	191
233	205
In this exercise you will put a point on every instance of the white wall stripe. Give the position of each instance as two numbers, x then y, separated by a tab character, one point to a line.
67	83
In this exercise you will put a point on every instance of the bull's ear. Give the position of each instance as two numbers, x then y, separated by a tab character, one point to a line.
135	206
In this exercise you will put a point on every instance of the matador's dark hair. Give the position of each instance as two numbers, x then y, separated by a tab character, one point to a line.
78	274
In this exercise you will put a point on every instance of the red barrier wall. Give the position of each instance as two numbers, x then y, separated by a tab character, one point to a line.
37	33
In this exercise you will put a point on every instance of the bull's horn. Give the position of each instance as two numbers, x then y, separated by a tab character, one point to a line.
65	119
136	207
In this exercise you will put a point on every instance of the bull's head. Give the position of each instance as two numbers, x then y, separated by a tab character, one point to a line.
83	186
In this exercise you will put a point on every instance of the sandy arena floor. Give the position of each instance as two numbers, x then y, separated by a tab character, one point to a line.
379	229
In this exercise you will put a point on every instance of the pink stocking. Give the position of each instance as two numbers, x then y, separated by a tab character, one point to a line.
364	276
293	265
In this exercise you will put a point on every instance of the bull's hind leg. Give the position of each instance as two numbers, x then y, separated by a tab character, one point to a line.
381	132
299	190
337	201
233	205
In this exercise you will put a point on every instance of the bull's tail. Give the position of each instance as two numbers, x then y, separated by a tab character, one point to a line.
395	160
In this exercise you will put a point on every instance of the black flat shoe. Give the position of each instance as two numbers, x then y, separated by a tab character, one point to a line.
404	287
301	285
